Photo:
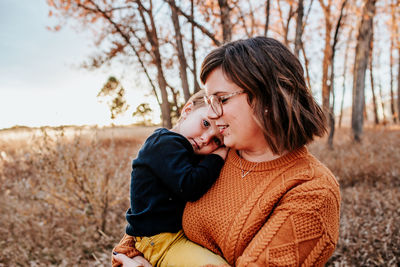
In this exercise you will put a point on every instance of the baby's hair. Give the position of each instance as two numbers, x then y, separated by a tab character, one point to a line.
197	99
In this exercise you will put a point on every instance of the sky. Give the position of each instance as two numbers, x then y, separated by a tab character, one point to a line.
41	82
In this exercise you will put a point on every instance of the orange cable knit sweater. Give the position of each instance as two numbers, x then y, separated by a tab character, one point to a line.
285	212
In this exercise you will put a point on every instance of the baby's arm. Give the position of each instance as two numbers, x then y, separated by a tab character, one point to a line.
222	151
171	159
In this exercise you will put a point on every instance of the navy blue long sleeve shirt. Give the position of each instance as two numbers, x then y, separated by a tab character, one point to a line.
165	175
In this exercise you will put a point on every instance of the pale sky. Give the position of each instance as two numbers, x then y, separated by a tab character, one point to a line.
40	81
42	85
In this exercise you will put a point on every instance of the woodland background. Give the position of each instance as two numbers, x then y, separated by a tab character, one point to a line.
344	45
64	191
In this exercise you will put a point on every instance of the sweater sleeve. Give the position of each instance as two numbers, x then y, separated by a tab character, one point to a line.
125	246
302	231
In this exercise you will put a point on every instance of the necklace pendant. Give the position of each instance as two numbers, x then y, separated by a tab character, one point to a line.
244	174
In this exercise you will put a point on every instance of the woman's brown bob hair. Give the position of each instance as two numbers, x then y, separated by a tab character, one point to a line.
273	80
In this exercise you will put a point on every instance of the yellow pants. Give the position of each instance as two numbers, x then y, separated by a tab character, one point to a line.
174	249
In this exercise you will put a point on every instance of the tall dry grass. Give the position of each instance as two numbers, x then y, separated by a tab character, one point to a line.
63	195
369	177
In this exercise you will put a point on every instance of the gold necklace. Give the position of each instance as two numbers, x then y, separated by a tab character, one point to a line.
241	167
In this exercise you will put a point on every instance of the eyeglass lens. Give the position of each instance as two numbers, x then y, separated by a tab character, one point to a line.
216	105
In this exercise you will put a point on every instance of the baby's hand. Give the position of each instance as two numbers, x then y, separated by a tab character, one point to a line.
137	261
221	151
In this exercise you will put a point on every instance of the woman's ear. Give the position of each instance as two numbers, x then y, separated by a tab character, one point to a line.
187	108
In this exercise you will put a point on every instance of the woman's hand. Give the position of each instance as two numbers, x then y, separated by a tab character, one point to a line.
137	261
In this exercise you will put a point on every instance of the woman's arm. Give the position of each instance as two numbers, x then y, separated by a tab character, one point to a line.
303	229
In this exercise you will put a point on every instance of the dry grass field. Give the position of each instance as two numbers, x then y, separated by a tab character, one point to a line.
64	192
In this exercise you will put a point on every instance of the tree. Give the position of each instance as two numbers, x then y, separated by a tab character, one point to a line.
159	39
360	66
398	84
180	50
246	17
225	20
267	12
143	111
299	28
393	37
371	76
327	61
332	76
346	54
193	45
115	93
152	37
285	23
115	20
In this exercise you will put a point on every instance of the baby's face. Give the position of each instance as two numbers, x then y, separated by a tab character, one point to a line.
201	132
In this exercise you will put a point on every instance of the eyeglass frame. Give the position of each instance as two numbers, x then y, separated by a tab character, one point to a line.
208	100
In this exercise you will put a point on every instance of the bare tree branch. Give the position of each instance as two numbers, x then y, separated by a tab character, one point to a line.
199	26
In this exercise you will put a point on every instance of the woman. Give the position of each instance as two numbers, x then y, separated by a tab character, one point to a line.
273	204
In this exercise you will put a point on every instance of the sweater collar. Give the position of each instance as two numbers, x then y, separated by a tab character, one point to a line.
267	165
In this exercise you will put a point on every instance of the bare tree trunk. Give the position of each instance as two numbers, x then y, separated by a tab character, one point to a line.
392	36
267	12
392	109
371	74
398	87
306	65
326	63
194	60
365	113
360	66
344	76
299	28
225	21
382	104
181	51
285	26
331	122
307	15
151	34
306	61
252	19
290	16
332	77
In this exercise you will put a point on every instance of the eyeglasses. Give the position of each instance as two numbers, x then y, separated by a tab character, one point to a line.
216	102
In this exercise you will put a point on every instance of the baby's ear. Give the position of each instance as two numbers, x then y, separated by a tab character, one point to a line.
187	108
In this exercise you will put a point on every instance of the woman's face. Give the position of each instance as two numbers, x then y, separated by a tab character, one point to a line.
237	123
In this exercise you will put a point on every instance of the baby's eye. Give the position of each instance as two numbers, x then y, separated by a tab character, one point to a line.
206	123
217	141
